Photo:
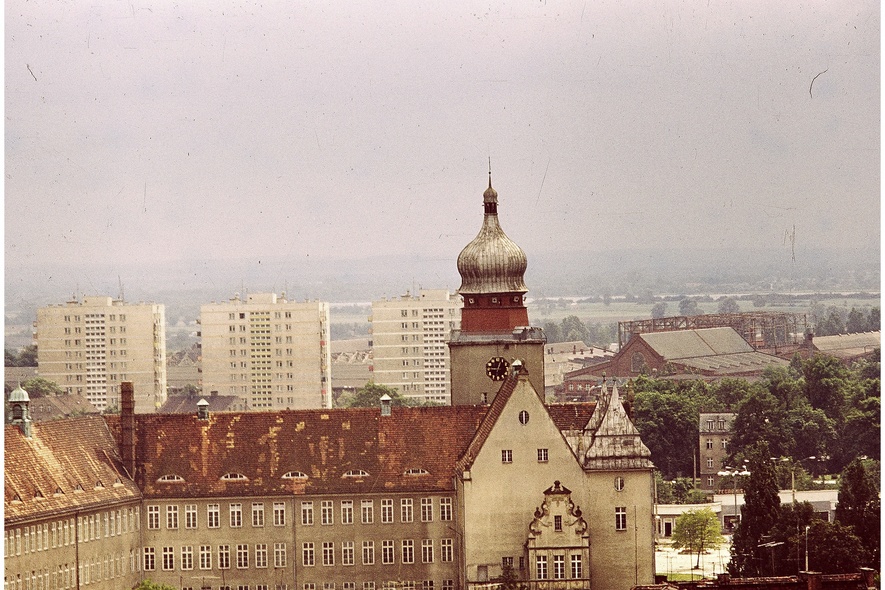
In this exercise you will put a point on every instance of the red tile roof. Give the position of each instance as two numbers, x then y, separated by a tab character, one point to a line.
66	465
322	444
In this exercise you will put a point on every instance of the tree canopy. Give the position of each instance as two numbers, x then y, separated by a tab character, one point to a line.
369	396
761	510
859	507
697	531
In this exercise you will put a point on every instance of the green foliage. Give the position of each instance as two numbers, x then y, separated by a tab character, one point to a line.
834	549
689	306
26	357
666	415
40	387
369	396
697	530
728	305
859	507
148	584
760	512
659	310
509	579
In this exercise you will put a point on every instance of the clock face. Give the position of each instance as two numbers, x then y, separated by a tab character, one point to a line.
496	368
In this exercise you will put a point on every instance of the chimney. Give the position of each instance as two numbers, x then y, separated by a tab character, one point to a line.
127	426
812	580
385	405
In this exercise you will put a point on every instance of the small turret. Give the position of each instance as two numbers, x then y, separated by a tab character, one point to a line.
20	404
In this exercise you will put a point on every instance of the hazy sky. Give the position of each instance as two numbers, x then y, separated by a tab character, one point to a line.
144	130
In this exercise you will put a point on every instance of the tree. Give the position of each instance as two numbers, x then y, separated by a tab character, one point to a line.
728	305
859	507
573	329
834	549
759	513
509	579
41	387
369	396
148	584
552	332
659	310
856	321
697	530
26	357
689	307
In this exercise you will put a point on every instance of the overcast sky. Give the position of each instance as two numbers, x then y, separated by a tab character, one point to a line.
144	130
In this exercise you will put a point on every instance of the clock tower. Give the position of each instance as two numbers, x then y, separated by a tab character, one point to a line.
495	327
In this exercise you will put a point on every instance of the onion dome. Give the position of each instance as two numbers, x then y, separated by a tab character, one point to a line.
19	395
492	262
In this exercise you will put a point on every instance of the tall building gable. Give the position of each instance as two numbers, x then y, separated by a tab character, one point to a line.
65	466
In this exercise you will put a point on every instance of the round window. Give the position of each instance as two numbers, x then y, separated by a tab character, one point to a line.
619	483
523	417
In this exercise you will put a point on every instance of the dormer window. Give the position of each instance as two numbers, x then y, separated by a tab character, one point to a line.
356	473
416	471
233	477
38	495
58	492
99	485
170	477
294	475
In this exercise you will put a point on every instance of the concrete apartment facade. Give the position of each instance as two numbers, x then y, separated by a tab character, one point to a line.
409	336
90	346
271	352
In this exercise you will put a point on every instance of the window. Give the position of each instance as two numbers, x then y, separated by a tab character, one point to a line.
408	551
711	481
261	555
328	553
426	509
368	585
205	557
386	511
190	516
577	567
542	455
187	557
621	518
347	553
506	562
506	456
559	567
307	554
307	513
387	552
213	516
236	515
448	585
346	511
327	512
224	557
279	514
153	514
709	443
446	550
149	559
368	552
279	555
557	523
171	517
368	511
427	551
709	462
619	483
724	442
406	513
258	514
541	565
242	556
709	425
445	509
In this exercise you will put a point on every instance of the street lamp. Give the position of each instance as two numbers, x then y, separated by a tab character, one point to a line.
734	472
806	547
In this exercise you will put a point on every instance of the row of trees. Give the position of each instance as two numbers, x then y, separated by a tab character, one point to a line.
815	407
572	328
771	539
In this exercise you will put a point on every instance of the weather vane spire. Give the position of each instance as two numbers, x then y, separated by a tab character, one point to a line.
490	171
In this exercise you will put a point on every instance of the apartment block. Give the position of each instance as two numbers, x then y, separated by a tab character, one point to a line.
409	336
271	352
90	346
716	428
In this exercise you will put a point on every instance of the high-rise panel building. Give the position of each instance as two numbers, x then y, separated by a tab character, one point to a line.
90	346
271	352
409	336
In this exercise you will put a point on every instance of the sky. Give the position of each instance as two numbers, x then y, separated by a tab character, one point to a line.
155	131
